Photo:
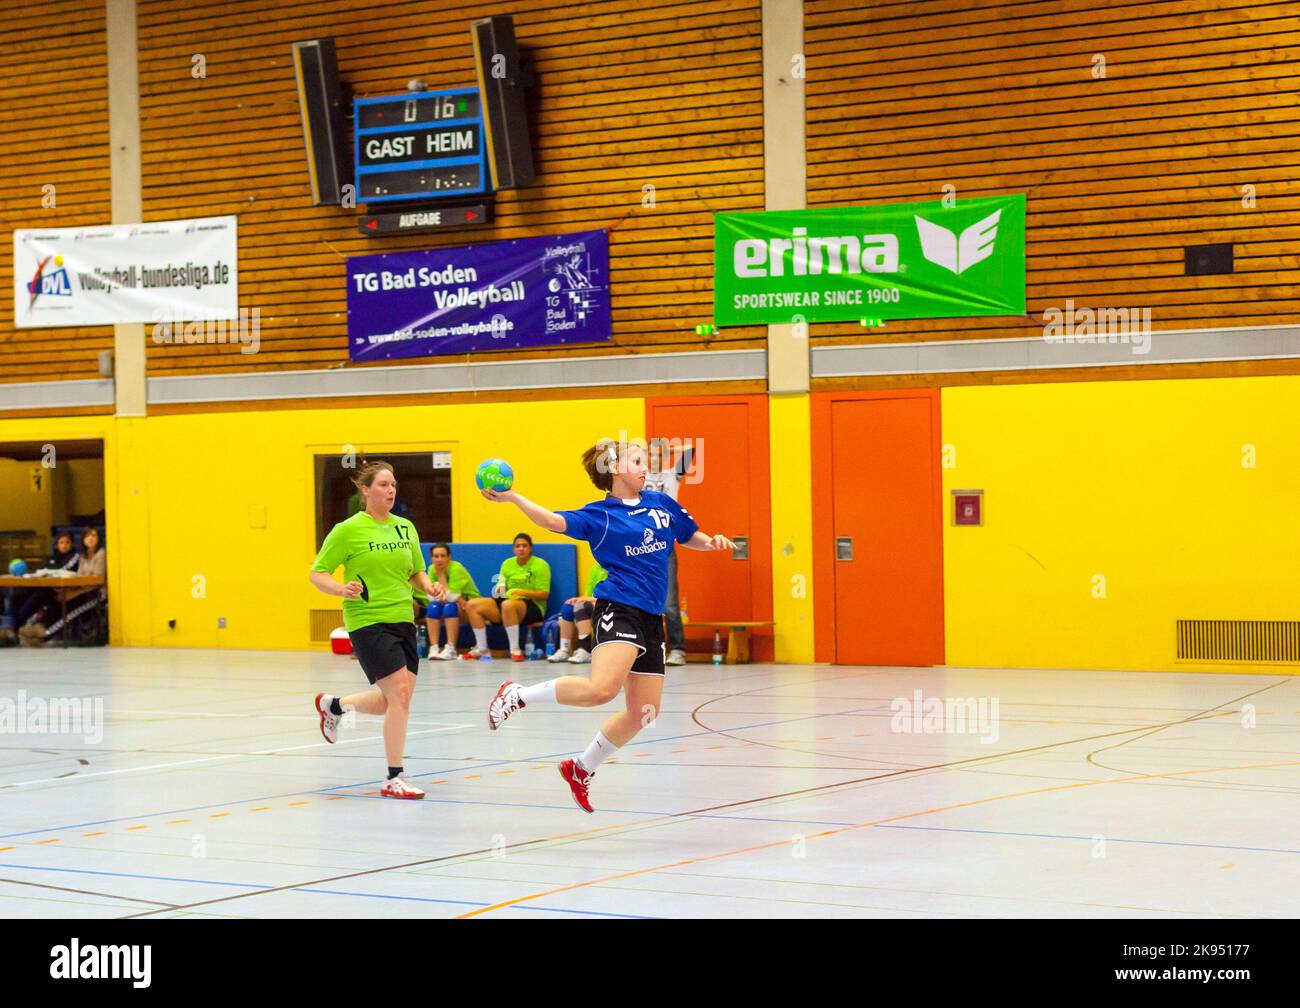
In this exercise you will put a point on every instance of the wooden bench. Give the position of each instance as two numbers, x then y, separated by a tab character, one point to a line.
737	640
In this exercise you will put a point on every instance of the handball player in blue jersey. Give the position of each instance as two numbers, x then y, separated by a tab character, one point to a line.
632	533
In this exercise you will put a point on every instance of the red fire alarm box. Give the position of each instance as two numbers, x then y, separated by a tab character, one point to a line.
967	507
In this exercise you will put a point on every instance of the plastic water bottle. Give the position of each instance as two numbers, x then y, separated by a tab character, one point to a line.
550	648
717	647
422	641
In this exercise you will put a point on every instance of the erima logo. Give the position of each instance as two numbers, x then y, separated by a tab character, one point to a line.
102	962
958	254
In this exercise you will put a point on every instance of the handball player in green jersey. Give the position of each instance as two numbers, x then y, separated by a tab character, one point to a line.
381	560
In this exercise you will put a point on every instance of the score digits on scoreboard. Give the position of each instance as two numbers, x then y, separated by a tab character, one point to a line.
420	146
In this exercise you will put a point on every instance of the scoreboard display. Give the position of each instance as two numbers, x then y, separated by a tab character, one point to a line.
420	145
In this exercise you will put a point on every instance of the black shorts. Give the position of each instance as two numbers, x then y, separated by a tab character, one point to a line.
615	621
532	614
383	648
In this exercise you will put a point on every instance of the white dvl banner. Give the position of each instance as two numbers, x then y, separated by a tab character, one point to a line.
166	271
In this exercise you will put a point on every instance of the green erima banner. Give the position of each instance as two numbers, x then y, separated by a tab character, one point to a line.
904	260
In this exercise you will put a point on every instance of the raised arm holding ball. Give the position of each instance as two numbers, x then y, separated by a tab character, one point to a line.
632	532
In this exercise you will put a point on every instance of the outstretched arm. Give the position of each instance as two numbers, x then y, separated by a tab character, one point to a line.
537	514
704	541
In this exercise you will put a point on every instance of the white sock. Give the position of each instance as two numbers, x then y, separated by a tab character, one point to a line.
480	637
542	692
600	750
564	645
512	634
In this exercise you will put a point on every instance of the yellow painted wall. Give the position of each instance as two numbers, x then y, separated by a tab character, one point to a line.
213	514
21	505
1142	483
789	419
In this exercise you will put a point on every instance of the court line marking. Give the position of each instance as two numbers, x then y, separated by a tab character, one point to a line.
1109	839
634	826
87	892
251	885
785	841
325	791
223	756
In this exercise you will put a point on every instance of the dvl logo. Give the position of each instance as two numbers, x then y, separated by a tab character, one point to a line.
51	283
958	253
54	282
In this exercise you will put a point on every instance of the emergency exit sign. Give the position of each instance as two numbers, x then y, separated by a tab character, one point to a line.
420	145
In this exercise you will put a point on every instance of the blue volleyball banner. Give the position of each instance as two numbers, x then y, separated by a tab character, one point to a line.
530	292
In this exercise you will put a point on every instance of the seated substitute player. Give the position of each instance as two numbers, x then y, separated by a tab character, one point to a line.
575	620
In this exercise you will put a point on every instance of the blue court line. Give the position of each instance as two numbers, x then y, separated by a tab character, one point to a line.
339	787
1107	839
152	878
328	892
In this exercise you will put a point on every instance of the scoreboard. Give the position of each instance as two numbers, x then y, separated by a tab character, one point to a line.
420	145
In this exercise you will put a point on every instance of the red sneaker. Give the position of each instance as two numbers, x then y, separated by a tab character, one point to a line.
516	656
505	703
579	780
329	723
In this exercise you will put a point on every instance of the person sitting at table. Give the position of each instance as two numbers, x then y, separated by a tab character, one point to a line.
30	603
82	607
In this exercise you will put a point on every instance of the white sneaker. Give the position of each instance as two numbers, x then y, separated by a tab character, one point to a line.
329	723
580	657
448	653
675	657
561	655
400	787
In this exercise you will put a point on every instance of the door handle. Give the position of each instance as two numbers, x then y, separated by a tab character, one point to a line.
741	552
843	547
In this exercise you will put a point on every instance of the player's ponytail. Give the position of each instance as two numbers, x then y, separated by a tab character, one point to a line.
598	460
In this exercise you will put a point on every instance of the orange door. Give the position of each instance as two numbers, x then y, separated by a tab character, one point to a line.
727	493
885	515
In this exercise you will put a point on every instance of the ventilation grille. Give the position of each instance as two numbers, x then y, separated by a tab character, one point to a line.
323	623
1239	640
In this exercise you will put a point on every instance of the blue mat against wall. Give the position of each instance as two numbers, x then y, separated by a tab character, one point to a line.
483	561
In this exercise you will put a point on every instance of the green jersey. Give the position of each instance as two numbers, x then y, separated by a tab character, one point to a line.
597	575
535	575
380	555
459	582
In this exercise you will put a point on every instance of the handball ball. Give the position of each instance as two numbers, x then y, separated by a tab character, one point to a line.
17	567
495	474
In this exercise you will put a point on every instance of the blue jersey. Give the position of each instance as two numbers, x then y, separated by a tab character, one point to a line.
633	542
